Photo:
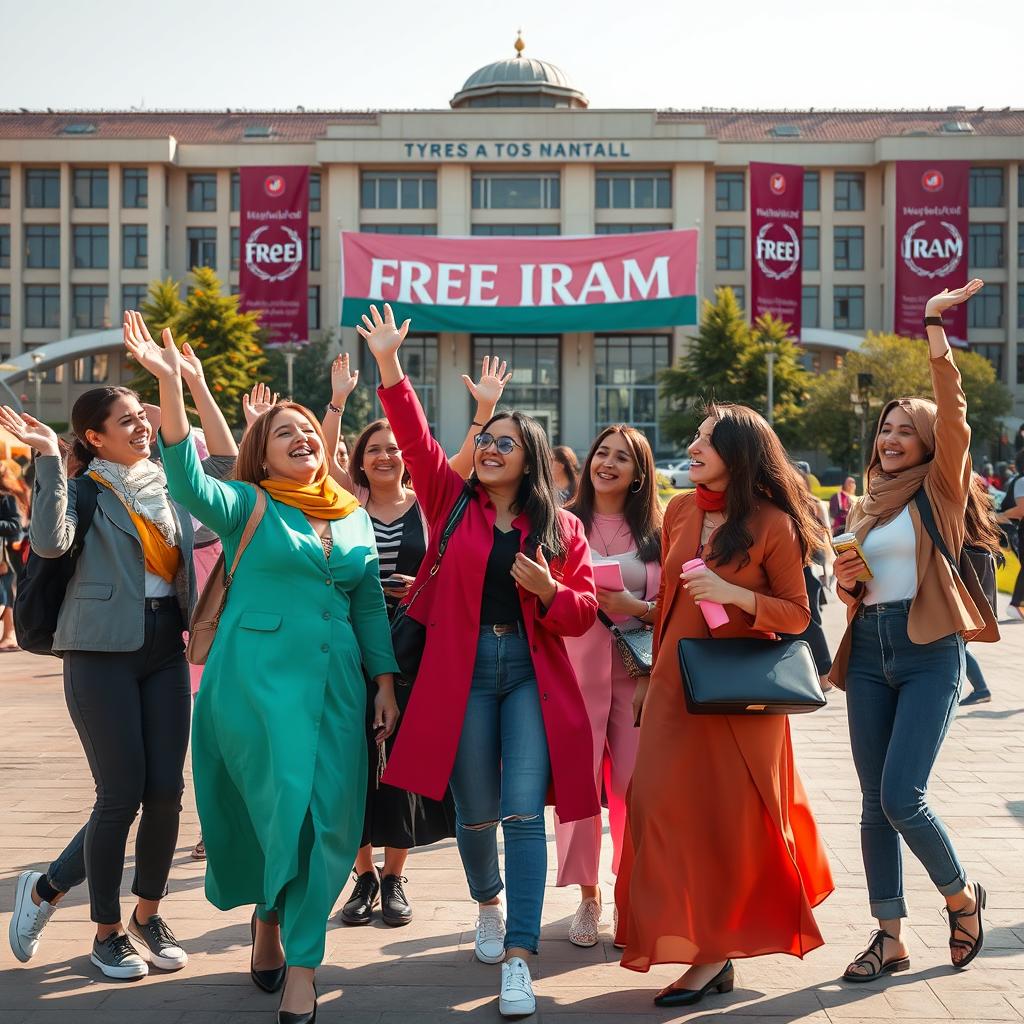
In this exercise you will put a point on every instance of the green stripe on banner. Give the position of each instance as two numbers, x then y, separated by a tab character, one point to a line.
612	316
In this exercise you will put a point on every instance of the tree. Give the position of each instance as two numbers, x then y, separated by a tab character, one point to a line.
727	363
225	339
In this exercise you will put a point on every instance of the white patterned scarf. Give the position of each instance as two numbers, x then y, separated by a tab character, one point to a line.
143	489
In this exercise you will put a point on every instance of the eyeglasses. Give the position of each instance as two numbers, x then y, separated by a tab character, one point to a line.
504	444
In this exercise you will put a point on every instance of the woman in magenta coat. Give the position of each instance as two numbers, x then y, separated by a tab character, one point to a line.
495	709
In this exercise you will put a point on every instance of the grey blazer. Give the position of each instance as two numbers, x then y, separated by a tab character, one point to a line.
104	607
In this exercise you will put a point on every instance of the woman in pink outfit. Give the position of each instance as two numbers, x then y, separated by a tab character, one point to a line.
617	502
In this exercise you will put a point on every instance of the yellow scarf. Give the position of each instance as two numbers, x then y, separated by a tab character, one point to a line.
162	559
321	499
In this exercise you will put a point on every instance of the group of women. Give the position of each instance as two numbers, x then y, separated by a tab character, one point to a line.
515	694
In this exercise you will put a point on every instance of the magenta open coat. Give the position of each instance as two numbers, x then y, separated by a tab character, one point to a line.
449	607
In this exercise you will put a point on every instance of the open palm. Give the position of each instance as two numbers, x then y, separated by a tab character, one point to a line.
946	298
493	378
381	333
160	361
28	430
343	380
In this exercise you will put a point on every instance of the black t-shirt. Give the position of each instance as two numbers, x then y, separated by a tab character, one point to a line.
500	601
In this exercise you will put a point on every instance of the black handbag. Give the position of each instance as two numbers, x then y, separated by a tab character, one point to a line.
746	676
409	637
635	646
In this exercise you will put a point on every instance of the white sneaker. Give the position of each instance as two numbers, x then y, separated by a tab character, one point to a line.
1013	613
490	935
116	957
156	943
516	998
28	920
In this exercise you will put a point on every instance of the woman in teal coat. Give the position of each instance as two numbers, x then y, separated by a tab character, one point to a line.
278	747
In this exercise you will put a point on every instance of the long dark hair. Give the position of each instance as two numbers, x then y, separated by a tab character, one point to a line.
356	456
758	470
90	412
566	458
536	498
980	529
642	509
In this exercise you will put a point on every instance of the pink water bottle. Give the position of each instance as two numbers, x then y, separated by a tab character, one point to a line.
714	614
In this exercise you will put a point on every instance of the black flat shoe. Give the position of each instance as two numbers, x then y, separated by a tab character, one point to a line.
287	1017
365	896
872	959
394	905
978	697
722	982
270	980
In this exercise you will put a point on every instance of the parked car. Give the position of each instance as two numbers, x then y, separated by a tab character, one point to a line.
679	477
667	465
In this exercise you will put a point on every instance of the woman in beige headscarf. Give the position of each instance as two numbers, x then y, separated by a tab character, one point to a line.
902	658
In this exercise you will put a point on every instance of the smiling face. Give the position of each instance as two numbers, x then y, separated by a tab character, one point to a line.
613	468
341	455
125	435
293	451
899	445
382	459
706	465
495	470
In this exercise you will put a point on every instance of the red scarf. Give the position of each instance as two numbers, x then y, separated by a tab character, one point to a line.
710	501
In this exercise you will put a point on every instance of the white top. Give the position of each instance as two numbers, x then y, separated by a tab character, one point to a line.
891	551
157	586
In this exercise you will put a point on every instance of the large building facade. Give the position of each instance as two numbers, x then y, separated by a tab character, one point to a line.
94	206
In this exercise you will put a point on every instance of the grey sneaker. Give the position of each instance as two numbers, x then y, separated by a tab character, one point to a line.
28	920
115	956
157	944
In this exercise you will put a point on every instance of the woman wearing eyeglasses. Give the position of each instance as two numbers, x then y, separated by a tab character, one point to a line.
495	708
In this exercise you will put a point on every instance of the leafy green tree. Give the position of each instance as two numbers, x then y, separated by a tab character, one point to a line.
163	305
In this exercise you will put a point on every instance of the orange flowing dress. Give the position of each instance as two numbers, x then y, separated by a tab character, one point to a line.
722	857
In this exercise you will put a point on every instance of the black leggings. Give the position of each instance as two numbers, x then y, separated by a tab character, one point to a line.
131	711
1017	597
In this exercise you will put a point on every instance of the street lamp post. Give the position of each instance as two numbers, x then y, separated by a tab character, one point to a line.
36	376
861	401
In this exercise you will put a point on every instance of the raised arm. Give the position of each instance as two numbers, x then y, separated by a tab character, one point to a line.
343	383
487	392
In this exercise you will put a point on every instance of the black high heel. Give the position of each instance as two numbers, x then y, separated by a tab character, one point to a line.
269	980
723	982
287	1017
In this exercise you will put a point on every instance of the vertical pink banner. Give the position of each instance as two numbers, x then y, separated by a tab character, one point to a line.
931	241
776	241
273	274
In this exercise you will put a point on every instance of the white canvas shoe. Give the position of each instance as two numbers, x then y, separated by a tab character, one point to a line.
490	935
28	920
516	998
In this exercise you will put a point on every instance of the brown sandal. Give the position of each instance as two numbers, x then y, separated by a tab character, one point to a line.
872	956
973	945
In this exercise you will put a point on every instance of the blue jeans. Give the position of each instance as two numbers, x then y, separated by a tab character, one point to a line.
501	774
900	701
974	674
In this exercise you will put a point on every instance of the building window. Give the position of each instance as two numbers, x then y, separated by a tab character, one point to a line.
420	364
1020	246
1020	321
986	245
42	305
236	248
729	248
314	248
629	229
392	191
235	202
90	188
5	246
314	192
134	188
812	247
398	229
517	192
134	295
987	186
536	382
625	190
91	244
515	229
848	307
994	353
202	247
986	308
849	190
849	248
810	306
202	193
5	188
134	246
91	369
812	190
42	246
42	188
740	293
626	371
730	190
313	311
5	306
89	306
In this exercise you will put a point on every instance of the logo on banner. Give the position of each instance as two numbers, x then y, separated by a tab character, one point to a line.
273	260
932	257
932	181
274	186
778	258
777	183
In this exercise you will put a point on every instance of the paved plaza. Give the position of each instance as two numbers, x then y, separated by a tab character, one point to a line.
426	972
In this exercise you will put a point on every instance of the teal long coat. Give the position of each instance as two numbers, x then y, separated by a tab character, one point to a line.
279	723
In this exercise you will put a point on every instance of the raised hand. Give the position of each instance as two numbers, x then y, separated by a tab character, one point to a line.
28	430
534	576
493	378
381	333
258	401
191	367
161	362
343	380
946	298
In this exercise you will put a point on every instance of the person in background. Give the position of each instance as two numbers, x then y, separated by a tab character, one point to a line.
341	455
840	503
565	469
1018	440
1012	517
13	524
817	588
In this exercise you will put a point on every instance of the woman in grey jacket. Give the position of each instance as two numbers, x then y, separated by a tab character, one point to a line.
125	676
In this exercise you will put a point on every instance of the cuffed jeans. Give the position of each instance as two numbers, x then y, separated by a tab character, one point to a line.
900	698
501	774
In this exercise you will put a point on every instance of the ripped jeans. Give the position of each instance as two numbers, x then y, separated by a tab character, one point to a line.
501	776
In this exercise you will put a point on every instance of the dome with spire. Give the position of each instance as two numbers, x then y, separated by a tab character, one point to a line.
519	82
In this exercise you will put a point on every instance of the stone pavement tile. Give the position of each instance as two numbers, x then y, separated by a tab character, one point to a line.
980	1005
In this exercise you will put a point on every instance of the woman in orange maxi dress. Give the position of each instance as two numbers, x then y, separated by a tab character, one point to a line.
722	856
